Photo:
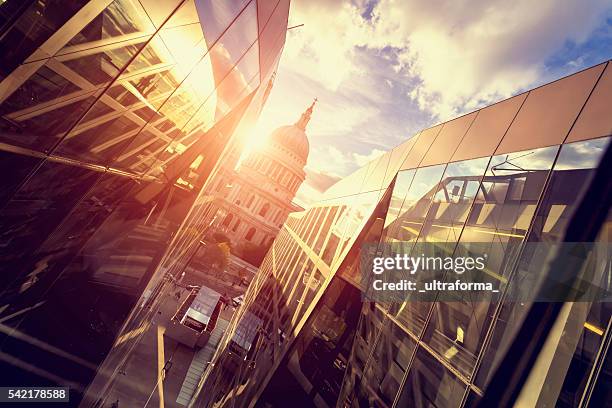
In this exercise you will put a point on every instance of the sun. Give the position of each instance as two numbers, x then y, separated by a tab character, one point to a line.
258	137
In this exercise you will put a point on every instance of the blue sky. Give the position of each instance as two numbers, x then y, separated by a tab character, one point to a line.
384	69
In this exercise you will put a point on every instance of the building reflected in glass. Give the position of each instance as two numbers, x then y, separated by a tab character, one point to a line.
113	117
504	176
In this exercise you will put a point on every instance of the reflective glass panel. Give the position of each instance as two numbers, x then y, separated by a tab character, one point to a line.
483	137
549	112
595	119
368	330
502	212
447	141
571	173
424	141
430	384
385	371
31	28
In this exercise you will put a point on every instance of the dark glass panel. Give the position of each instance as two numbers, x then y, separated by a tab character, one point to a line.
32	25
430	384
14	168
36	209
93	278
320	354
65	241
385	372
472	400
602	392
368	330
11	10
571	376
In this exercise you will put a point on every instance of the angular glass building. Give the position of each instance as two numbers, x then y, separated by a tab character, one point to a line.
505	176
113	117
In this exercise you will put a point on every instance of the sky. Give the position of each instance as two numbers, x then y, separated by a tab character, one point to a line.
382	70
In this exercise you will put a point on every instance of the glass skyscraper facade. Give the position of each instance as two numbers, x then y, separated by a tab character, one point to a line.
113	117
505	176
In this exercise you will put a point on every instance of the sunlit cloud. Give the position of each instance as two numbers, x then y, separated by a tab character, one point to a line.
363	159
383	70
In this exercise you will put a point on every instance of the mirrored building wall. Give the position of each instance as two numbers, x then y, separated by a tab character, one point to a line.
113	116
503	176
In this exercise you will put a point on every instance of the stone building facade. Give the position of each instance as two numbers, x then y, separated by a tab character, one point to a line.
252	202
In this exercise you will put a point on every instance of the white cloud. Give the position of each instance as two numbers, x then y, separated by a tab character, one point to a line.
363	159
307	194
461	54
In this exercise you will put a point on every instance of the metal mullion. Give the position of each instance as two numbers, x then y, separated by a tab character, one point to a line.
598	363
118	75
93	47
42	108
152	69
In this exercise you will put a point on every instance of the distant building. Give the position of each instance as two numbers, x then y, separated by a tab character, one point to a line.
254	200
